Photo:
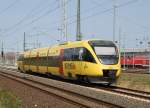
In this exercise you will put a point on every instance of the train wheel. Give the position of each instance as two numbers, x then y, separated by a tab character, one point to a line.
83	79
48	74
19	68
109	84
86	79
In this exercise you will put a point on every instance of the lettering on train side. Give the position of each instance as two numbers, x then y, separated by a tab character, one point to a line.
70	66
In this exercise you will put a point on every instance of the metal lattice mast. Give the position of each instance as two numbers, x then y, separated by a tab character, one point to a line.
64	20
114	20
78	34
24	42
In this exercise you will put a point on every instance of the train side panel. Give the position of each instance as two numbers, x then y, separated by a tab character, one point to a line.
42	60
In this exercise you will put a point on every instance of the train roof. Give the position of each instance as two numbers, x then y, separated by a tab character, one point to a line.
43	51
84	41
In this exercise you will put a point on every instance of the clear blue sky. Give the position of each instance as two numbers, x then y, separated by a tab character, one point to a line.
40	19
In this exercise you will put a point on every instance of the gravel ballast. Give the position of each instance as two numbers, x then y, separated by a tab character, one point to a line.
31	97
101	95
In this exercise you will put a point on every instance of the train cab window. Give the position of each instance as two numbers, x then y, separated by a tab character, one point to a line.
81	53
87	56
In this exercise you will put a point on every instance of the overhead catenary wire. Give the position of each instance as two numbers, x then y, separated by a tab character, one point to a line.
114	14
125	18
82	12
25	17
37	18
9	6
104	11
29	15
87	17
50	11
74	16
98	13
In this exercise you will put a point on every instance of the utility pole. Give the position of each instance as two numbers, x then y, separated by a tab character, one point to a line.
78	34
120	38
2	53
133	58
114	20
64	19
149	54
149	59
37	40
2	48
24	42
124	52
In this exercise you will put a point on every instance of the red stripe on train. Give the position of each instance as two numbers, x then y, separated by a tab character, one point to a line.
61	71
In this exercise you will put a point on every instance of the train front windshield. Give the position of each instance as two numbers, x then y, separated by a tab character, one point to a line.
106	51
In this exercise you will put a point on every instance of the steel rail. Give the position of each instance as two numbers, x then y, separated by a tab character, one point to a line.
84	101
116	89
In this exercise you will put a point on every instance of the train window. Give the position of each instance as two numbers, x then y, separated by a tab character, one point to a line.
27	61
20	58
81	51
53	61
87	56
33	61
76	54
42	61
68	54
45	61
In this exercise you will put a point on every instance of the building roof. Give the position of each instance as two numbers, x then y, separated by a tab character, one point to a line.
136	50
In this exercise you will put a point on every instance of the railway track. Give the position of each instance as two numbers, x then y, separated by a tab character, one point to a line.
135	93
129	92
68	96
119	90
136	71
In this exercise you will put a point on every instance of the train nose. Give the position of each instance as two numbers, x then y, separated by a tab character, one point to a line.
109	74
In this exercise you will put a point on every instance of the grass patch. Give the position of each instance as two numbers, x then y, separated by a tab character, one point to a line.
135	81
8	100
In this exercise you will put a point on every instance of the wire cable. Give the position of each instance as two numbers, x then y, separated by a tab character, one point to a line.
26	17
8	7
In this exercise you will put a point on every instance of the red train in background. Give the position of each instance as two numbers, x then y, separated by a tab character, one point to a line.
137	61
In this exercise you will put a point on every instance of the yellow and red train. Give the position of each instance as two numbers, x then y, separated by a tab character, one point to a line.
87	60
